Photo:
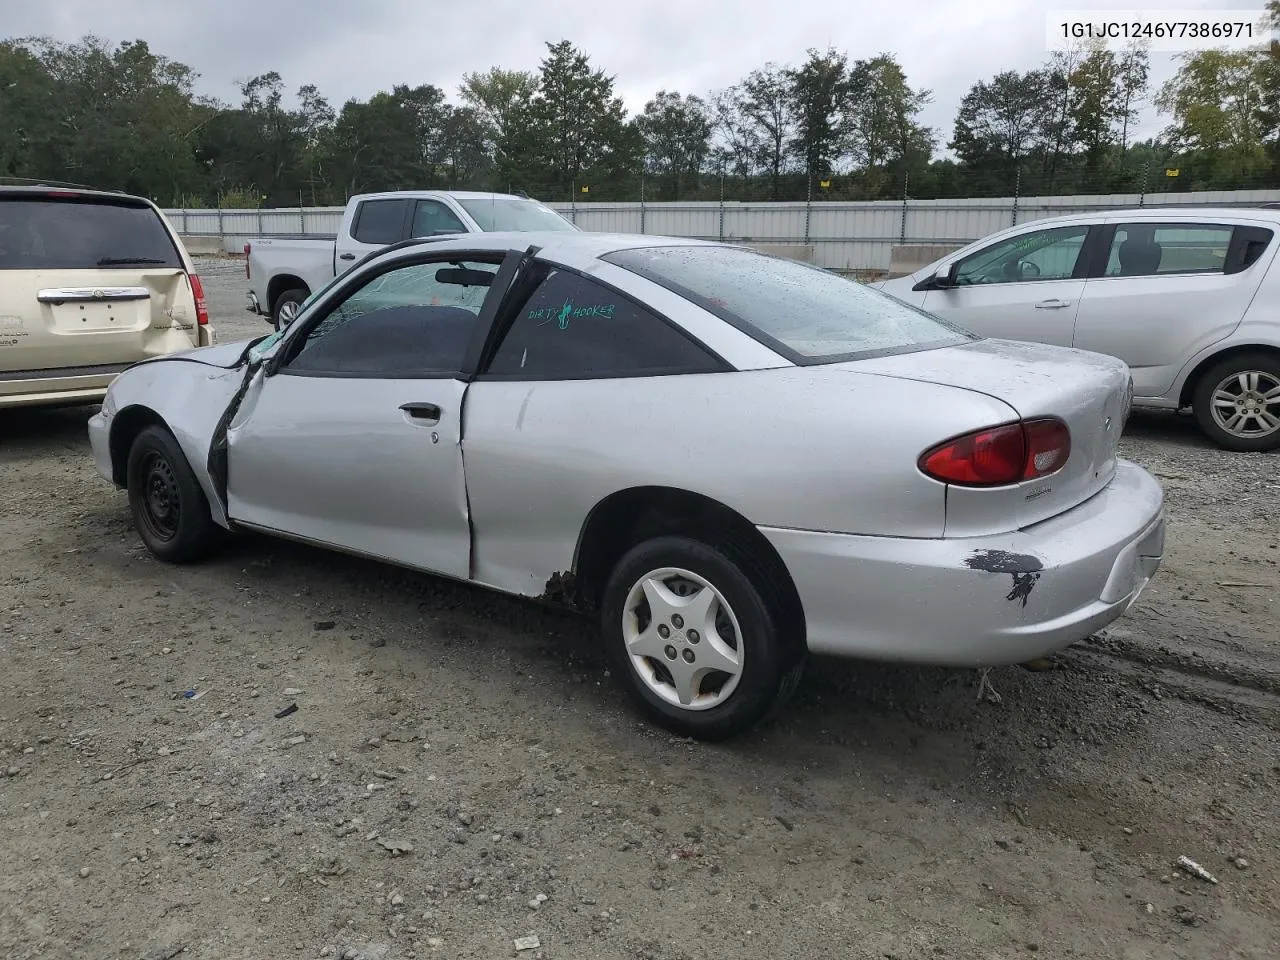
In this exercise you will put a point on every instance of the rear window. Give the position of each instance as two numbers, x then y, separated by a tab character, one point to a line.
807	314
52	234
509	213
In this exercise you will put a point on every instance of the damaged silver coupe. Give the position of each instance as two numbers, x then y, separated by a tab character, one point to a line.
731	460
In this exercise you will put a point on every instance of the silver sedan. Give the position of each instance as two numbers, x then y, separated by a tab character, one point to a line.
731	460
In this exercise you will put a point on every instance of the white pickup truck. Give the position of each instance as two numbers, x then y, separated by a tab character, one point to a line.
283	271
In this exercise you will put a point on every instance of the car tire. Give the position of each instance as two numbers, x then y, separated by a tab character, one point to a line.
739	621
291	299
170	511
1239	386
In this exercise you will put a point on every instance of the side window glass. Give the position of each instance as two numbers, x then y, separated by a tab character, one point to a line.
411	321
1040	255
1150	249
380	221
431	218
573	328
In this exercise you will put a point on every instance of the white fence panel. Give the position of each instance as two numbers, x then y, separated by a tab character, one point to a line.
845	235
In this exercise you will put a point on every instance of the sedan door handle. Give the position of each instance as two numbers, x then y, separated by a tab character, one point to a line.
346	256
1052	304
422	411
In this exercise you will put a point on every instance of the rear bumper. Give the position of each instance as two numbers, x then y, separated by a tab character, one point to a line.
254	306
982	601
70	386
66	386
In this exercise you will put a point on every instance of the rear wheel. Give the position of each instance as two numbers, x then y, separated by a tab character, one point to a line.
169	509
286	307
1237	402
695	638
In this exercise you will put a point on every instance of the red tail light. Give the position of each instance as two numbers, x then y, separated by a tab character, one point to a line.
999	456
247	248
202	308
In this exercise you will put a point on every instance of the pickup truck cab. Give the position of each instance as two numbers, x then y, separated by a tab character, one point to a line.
283	271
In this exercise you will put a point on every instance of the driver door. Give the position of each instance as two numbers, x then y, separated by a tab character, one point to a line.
353	440
1024	287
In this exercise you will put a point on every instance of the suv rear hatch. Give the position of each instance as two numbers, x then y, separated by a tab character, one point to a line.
1090	392
90	280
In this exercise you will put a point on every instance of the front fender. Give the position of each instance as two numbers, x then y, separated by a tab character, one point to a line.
189	397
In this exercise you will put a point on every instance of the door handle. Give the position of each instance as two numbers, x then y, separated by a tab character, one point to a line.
422	411
346	256
1052	304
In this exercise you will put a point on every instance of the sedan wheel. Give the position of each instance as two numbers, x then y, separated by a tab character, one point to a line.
1238	403
169	509
694	632
682	637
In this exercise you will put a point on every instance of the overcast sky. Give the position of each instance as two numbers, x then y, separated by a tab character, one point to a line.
353	48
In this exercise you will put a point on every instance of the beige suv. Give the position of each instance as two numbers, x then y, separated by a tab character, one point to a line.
90	282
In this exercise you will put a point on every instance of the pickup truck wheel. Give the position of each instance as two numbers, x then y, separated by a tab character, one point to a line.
169	508
287	306
695	639
1237	402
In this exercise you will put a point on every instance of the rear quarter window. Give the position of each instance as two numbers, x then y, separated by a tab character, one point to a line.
804	313
49	233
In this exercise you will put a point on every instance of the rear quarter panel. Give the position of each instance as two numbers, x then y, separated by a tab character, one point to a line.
806	448
1260	327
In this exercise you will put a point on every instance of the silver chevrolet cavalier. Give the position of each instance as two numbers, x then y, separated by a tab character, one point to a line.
731	460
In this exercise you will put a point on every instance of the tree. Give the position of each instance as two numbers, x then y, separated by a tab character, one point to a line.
1219	112
881	111
1097	105
1003	119
495	96
676	132
573	124
735	145
1135	68
819	90
767	108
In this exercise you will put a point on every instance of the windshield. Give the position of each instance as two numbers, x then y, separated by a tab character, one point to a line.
807	314
71	233
512	213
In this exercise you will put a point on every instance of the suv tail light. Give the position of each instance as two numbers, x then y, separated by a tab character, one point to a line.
202	307
999	456
247	248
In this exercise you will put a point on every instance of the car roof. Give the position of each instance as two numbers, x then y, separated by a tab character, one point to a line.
456	194
1180	212
67	190
552	241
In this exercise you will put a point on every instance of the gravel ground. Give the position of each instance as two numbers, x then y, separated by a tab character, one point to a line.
461	771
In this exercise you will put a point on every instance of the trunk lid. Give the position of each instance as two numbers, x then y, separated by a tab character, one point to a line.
1088	391
84	318
89	280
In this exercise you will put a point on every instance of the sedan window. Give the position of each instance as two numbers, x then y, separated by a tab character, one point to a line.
1149	249
572	328
1039	255
408	322
806	314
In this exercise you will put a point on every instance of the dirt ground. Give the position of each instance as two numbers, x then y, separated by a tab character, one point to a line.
461	771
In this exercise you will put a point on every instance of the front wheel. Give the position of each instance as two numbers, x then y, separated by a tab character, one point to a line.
696	640
285	310
1237	402
169	508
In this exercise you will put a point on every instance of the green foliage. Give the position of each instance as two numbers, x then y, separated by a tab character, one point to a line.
122	116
